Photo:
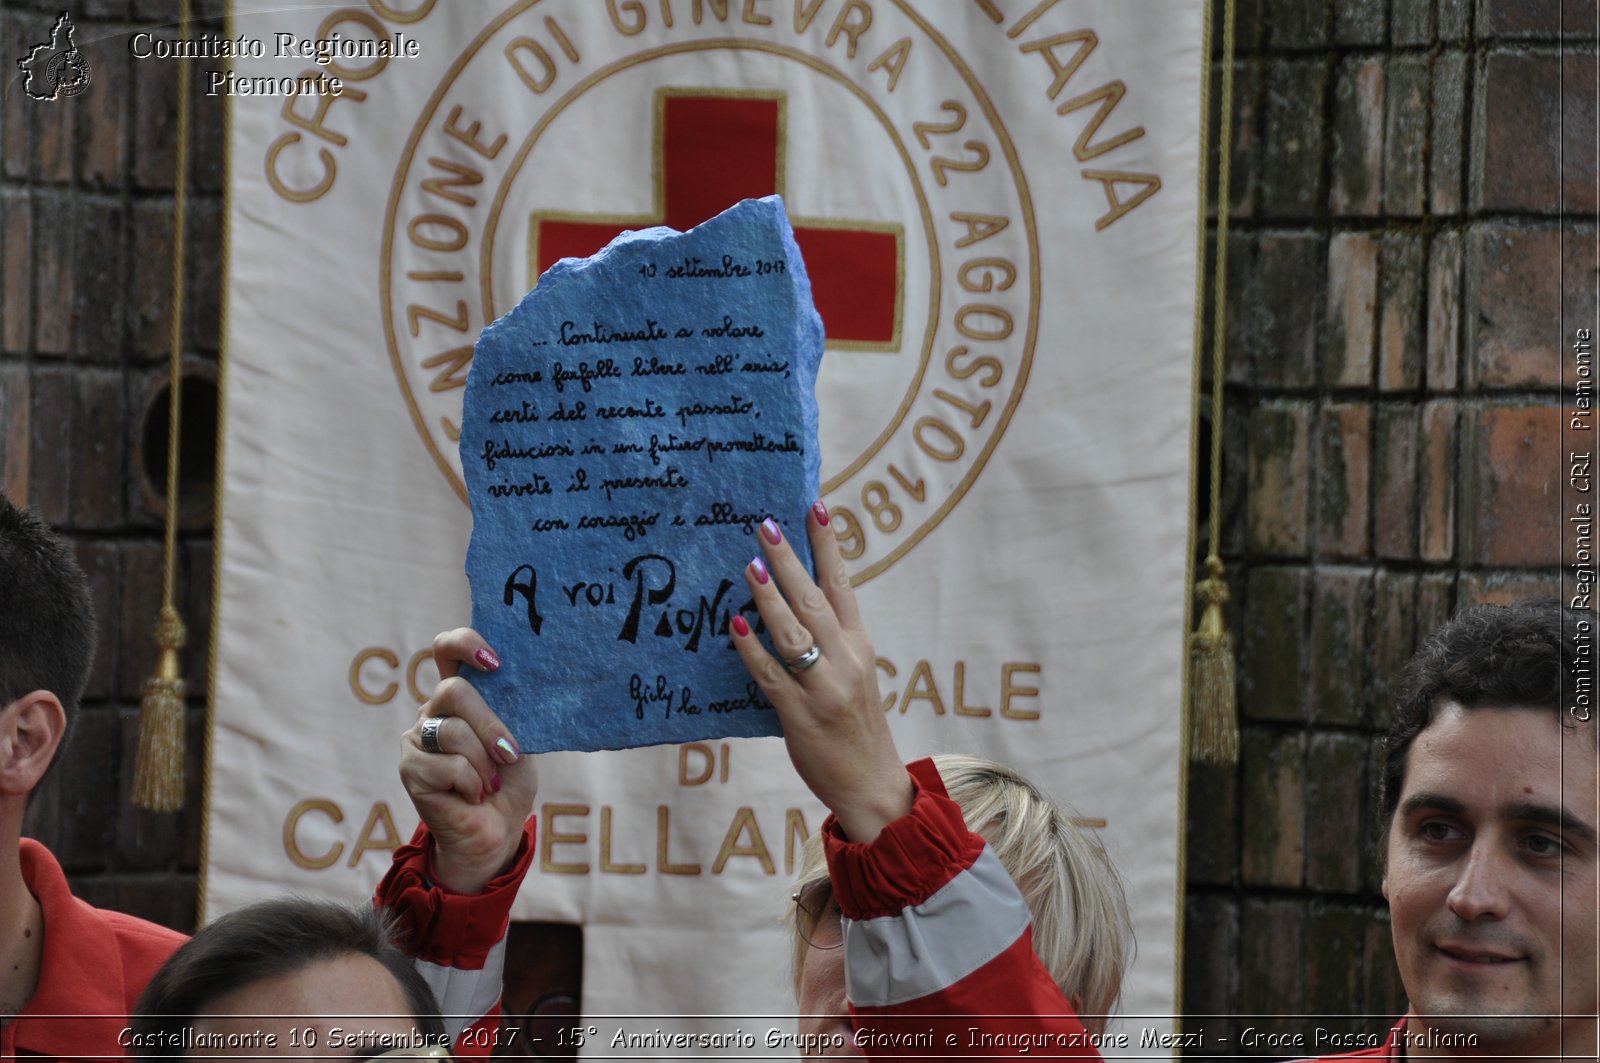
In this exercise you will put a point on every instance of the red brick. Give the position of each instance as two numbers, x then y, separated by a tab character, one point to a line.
99	428
141	604
1292	152
1339	642
1343	479
1514	287
1383	993
1535	18
16	109
1394	501
1444	312
105	111
1411	22
1356	155
1373	855
1405	178
194	777
16	301
194	595
1296	24
1515	471
1274	808
51	461
1360	21
1400	335
1235	455
1212	830
54	133
1275	310
1352	309
1245	175
1447	133
1244	289
167	898
85	773
1436	482
1278	475
1503	588
208	135
1580	180
1273	952
1436	601
1211	963
150	286
203	261
1273	644
99	281
54	281
1538	115
1454	20
155	124
14	431
101	567
1333	965
1580	287
1394	636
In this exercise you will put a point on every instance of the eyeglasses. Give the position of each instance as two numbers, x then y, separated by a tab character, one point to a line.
419	1052
817	916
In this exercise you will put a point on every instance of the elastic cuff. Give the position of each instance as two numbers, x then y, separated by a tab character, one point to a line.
910	858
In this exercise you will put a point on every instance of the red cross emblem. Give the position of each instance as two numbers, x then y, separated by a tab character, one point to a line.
711	151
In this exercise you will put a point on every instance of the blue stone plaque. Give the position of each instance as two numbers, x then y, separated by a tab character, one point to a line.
627	426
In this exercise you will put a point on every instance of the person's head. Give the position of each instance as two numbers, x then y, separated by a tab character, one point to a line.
1489	804
1082	930
46	645
294	970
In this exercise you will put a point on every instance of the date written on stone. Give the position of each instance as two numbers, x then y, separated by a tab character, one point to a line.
696	268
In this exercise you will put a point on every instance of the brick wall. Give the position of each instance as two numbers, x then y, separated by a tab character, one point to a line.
1399	268
86	246
1413	215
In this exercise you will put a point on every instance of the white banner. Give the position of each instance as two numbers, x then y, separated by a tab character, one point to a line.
999	199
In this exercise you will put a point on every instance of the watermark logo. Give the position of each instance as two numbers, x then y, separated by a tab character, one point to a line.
55	68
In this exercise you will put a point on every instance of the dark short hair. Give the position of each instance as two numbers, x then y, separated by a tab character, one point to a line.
1518	656
269	940
46	615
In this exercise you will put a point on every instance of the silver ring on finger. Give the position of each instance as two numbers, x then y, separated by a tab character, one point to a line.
805	660
430	734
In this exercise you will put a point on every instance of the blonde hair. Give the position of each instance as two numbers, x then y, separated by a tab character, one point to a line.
1082	930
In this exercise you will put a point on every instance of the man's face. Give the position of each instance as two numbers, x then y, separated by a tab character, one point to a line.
282	1016
1491	878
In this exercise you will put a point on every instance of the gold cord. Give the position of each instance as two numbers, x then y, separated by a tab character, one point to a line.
1213	716
158	770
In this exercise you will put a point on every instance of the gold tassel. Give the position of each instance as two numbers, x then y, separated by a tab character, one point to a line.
158	772
1214	718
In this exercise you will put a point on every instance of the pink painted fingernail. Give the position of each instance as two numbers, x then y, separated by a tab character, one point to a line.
758	568
486	657
740	627
483	795
508	750
769	528
820	511
495	782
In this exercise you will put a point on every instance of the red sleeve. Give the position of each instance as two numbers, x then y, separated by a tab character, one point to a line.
456	939
938	947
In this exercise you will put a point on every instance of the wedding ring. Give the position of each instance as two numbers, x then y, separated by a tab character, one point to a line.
805	660
430	734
